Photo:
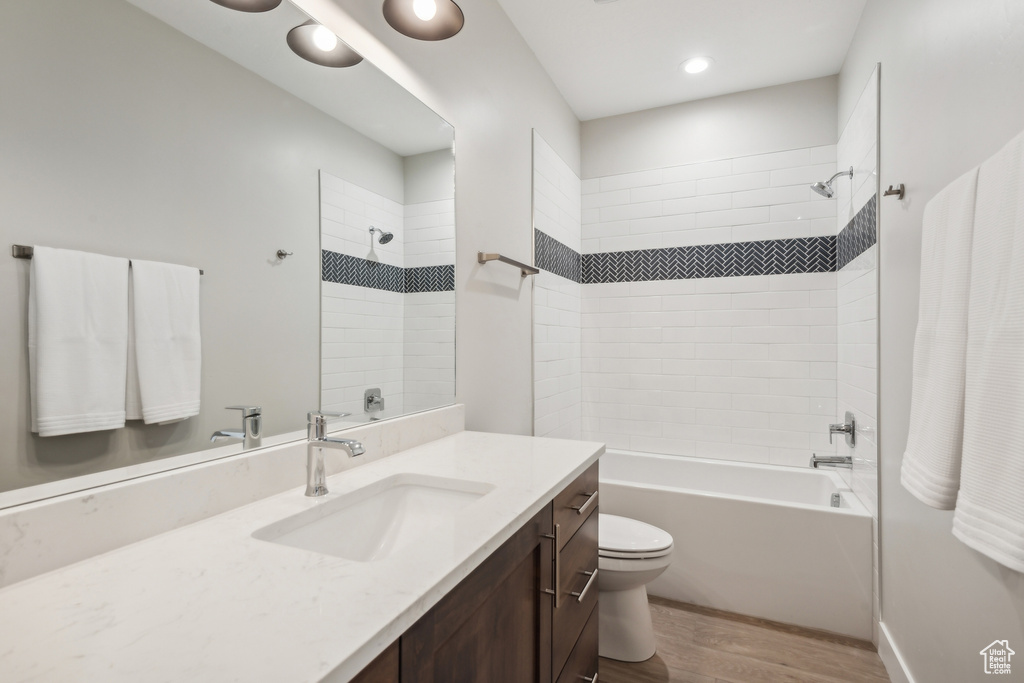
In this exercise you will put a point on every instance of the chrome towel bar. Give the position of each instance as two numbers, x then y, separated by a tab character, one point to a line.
25	252
524	269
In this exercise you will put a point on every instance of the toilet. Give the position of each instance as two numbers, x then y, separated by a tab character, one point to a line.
631	554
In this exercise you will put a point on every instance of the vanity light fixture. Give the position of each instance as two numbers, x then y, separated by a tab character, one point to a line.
249	5
696	65
316	43
424	19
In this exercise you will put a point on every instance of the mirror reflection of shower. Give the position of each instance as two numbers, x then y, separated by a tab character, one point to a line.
386	237
825	189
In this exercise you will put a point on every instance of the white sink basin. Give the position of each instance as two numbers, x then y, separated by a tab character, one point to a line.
381	519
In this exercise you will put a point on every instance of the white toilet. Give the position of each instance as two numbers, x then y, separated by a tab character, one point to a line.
631	554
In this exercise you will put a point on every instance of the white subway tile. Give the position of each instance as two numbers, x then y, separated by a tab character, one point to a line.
773	161
803	175
713	219
733	183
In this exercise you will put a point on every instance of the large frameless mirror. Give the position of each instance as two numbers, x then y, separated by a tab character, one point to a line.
184	132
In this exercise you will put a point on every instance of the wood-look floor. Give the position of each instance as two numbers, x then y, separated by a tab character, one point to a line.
697	645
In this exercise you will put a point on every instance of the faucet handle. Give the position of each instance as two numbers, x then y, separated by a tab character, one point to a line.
321	414
247	411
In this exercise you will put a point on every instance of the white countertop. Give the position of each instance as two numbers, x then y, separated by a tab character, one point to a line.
207	602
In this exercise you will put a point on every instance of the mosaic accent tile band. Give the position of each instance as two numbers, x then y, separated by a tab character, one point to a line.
859	235
430	279
769	257
352	270
551	255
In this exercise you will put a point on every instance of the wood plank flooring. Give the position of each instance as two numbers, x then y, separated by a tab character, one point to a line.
699	645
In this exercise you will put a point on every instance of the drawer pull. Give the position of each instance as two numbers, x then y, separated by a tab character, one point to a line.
556	538
579	596
590	679
583	508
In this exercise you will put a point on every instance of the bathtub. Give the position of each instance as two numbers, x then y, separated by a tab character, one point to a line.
759	540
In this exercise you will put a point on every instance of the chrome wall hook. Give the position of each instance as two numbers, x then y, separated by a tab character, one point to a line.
898	191
282	254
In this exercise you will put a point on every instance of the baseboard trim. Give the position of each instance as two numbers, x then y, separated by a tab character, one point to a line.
828	636
891	657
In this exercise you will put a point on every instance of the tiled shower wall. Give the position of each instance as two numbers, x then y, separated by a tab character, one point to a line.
429	361
557	293
361	343
731	352
388	311
858	301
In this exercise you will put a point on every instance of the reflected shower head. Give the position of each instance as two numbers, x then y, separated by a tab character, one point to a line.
384	238
825	189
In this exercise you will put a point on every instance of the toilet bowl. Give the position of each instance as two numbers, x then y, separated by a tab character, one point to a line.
631	554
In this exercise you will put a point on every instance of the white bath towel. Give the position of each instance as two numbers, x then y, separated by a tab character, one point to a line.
931	462
989	513
166	351
77	341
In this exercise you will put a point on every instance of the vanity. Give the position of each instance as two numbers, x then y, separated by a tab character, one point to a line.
471	594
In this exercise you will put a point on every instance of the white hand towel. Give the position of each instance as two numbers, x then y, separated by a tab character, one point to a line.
164	381
931	463
989	513
77	341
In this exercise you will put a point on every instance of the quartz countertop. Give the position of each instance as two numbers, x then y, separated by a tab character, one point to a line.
208	602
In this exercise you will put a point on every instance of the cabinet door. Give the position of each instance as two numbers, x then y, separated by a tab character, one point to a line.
495	626
384	669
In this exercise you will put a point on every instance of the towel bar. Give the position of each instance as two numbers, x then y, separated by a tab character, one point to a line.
25	252
524	269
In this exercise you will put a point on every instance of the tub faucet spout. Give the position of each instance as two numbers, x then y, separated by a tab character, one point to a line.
832	461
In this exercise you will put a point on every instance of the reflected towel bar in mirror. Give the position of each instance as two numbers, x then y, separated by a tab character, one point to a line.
481	257
25	252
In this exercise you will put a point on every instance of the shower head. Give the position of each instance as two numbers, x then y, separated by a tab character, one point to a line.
384	238
825	189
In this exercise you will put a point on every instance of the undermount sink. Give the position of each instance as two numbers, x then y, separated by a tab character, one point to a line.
379	520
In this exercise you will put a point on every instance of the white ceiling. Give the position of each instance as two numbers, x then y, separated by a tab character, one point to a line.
361	96
622	56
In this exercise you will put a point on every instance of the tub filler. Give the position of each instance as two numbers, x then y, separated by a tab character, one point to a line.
760	540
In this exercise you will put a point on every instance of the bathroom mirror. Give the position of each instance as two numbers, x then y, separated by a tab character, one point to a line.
185	132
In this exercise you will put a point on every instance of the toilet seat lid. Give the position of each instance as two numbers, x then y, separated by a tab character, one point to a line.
625	536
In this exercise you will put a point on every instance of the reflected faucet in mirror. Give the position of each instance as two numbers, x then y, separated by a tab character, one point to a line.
316	430
251	432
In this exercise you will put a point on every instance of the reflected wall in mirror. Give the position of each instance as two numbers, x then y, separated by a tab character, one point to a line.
184	132
388	292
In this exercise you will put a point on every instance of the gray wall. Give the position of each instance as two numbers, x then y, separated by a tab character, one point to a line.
774	119
488	84
429	177
124	137
952	93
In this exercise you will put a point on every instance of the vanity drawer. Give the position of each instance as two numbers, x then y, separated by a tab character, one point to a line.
582	663
574	504
577	588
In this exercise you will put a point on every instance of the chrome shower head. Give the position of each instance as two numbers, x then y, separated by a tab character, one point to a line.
384	238
825	189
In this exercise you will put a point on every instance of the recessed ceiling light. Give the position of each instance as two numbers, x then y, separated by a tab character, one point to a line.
316	43
695	65
424	19
249	5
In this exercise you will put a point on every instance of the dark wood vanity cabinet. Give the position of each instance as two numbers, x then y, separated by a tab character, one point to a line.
528	614
574	613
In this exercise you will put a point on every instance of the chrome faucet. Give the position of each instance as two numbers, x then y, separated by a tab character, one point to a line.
251	432
832	461
316	430
848	428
